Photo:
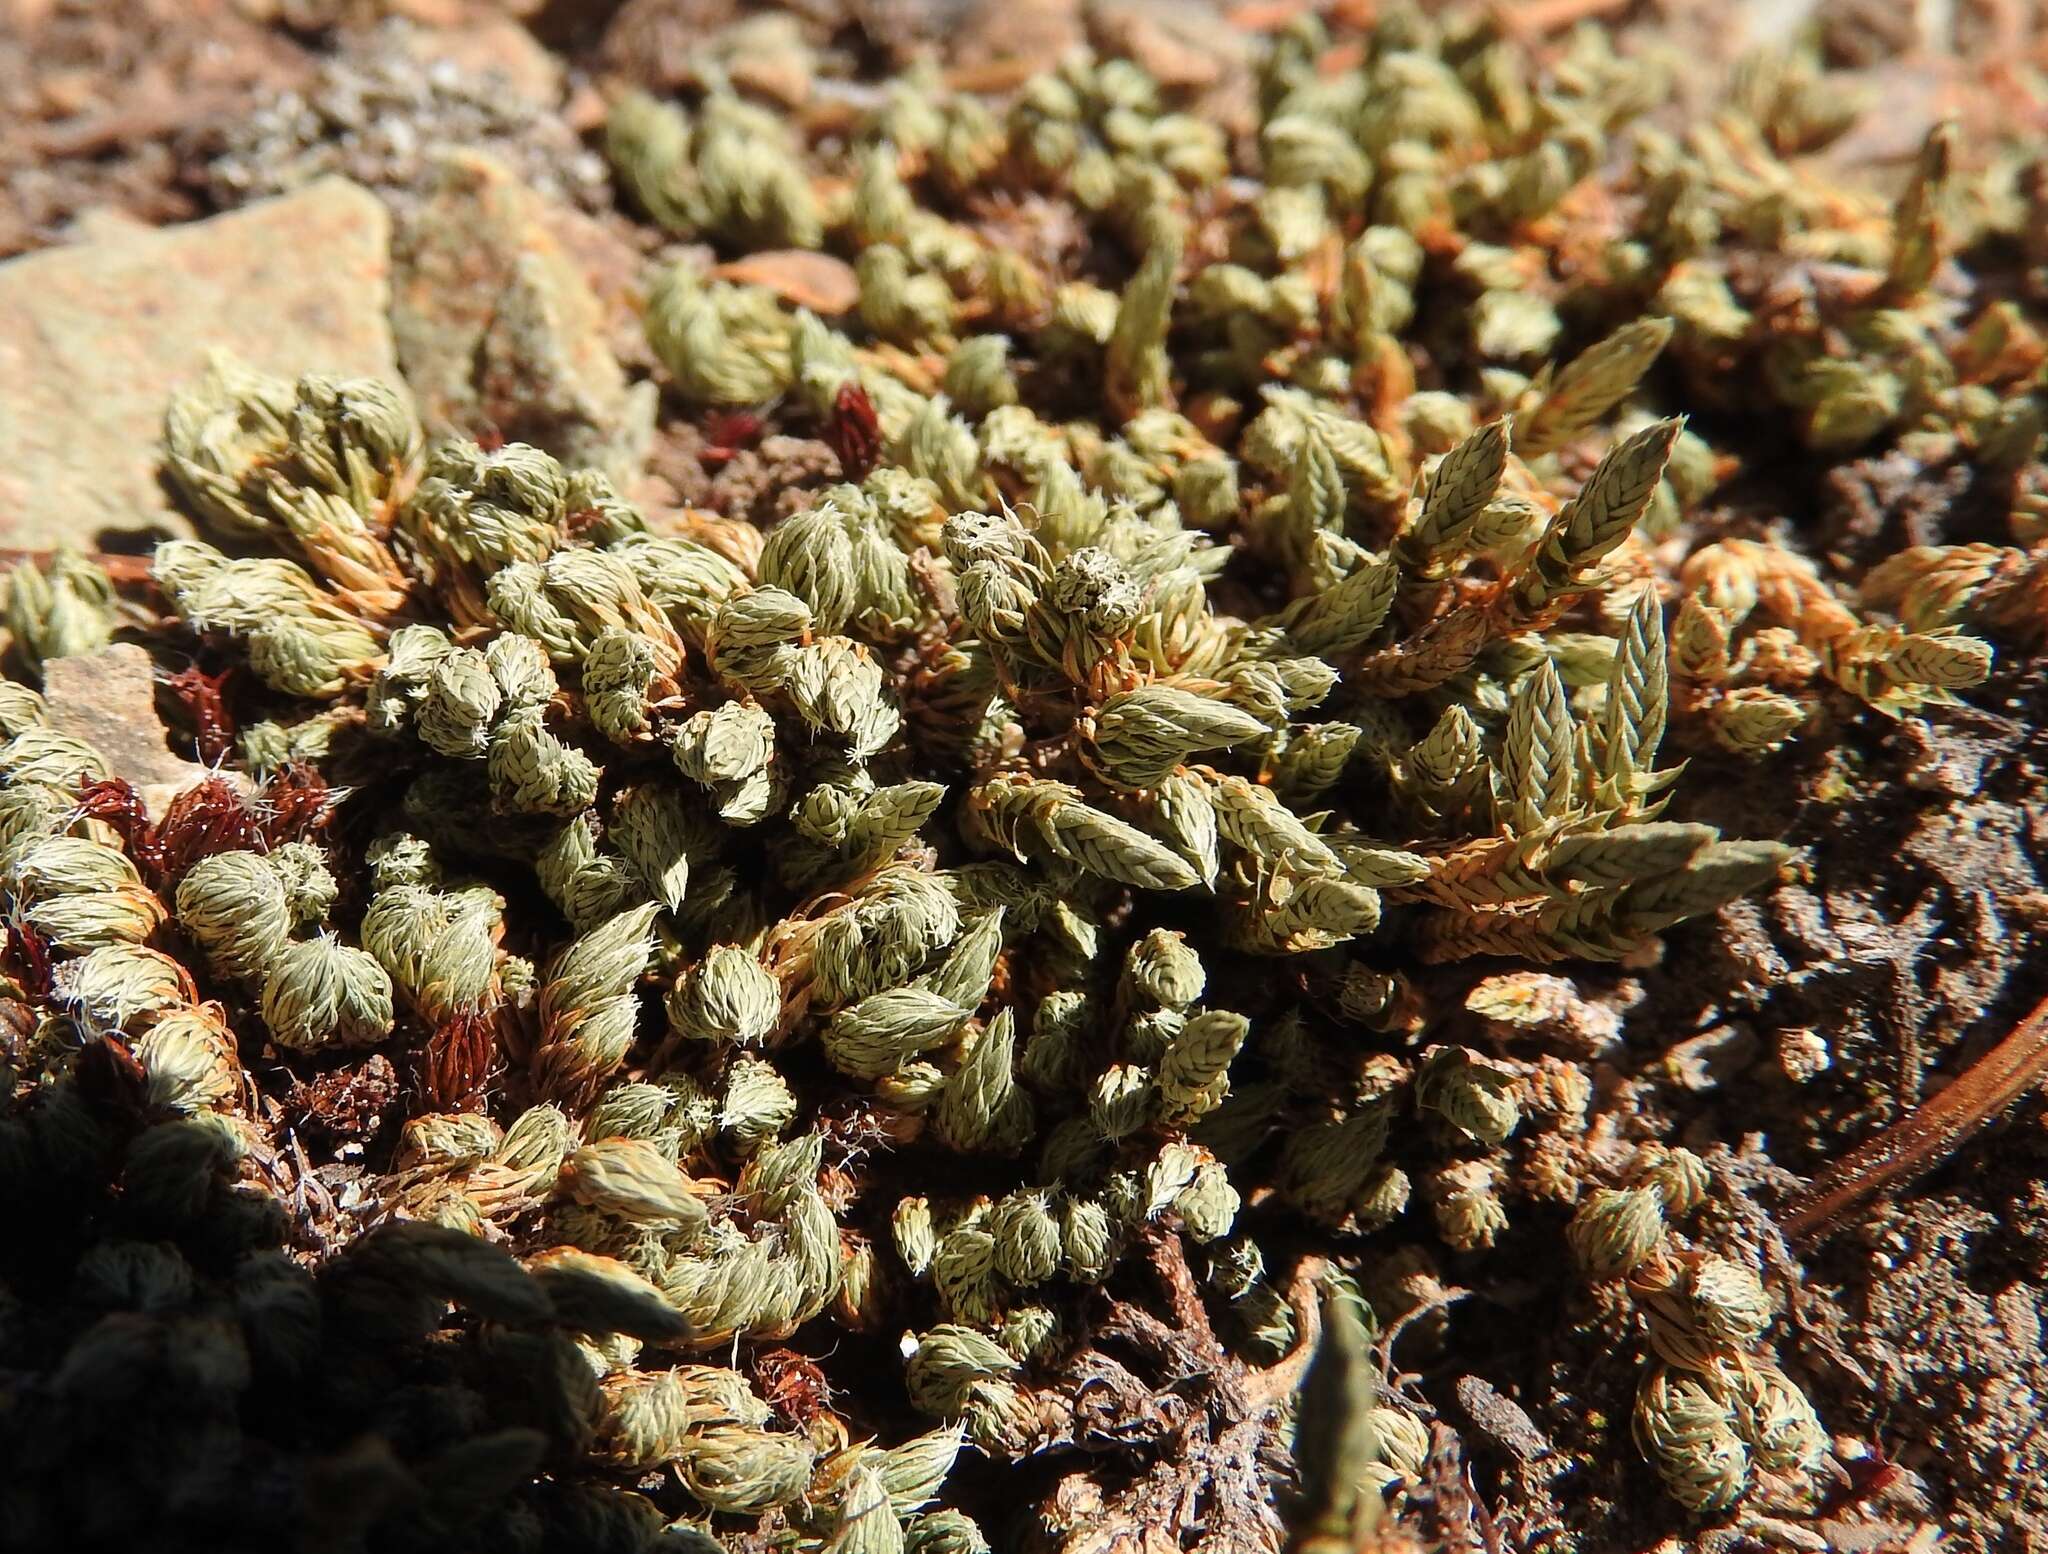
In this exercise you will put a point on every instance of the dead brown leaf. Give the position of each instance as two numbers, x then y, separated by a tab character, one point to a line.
815	281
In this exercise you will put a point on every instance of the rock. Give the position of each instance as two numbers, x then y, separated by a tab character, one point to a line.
616	272
496	48
108	699
1182	46
95	336
499	332
762	56
1190	49
105	224
1005	41
388	103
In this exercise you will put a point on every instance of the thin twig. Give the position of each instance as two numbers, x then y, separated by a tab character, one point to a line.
1438	1302
1170	1262
1282	1379
1925	1136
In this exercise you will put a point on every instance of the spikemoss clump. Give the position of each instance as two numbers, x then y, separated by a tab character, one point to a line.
1031	850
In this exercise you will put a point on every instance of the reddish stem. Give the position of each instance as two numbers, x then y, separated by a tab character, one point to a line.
1927	1135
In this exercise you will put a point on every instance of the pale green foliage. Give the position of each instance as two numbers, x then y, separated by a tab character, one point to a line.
1247	581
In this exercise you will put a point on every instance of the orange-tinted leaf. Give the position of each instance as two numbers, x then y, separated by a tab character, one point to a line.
815	281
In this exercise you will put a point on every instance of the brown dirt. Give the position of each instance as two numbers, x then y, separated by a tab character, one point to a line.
1911	945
